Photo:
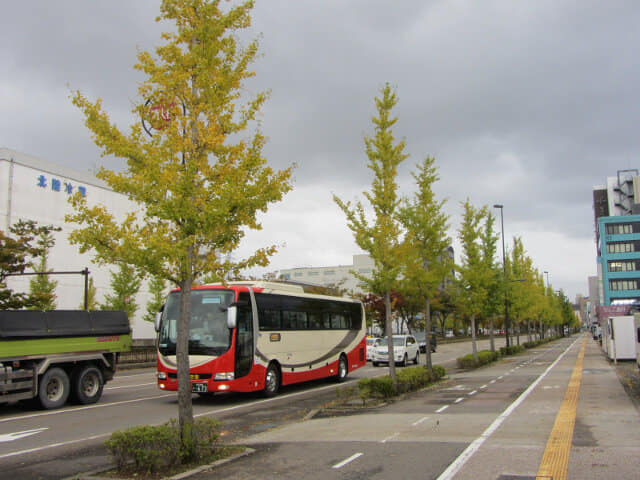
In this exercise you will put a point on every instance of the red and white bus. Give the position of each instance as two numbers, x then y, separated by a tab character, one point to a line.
258	336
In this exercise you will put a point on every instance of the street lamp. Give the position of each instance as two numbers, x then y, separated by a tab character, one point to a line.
504	272
547	274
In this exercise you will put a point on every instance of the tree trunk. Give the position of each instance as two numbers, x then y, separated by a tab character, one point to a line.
492	344
389	334
427	334
185	407
528	330
518	331
474	346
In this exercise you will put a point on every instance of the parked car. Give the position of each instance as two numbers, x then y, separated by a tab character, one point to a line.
405	348
423	344
371	342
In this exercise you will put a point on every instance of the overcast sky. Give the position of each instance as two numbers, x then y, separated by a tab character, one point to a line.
524	103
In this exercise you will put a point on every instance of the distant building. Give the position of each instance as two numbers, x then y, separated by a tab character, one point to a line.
335	275
34	189
617	229
343	275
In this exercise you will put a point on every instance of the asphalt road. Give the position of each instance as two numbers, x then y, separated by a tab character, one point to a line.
59	443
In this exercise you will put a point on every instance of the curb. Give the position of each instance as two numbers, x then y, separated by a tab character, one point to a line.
95	474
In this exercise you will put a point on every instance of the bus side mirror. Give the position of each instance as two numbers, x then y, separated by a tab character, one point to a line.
232	315
158	318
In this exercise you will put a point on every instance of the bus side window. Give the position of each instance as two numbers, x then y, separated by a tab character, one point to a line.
315	321
326	320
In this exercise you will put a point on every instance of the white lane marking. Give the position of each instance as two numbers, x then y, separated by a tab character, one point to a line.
76	409
472	393
492	381
464	457
500	377
10	437
348	460
442	409
131	386
415	424
390	437
484	386
150	372
458	400
53	445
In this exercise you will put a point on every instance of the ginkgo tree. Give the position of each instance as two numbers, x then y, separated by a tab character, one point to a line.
200	180
426	261
381	236
474	274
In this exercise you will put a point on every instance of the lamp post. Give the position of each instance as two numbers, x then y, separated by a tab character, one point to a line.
504	272
547	274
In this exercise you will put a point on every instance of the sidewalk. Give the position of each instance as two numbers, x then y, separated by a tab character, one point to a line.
606	437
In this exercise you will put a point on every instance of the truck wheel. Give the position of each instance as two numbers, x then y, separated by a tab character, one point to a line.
53	389
87	384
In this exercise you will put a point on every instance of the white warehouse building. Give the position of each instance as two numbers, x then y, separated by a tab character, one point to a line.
337	275
34	189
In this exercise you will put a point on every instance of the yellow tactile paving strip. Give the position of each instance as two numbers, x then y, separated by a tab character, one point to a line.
555	459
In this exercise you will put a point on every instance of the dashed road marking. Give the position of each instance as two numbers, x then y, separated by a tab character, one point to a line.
347	461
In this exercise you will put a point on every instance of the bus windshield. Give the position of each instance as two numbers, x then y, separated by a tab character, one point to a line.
208	331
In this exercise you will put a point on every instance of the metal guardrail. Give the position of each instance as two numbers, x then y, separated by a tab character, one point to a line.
138	357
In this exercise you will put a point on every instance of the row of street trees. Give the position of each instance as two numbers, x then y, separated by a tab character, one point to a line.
408	242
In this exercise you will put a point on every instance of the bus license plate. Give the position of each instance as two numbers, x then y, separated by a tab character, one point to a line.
199	387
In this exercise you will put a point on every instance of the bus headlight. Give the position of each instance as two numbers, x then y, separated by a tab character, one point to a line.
222	376
162	375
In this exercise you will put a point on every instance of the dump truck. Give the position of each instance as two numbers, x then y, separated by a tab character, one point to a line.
59	355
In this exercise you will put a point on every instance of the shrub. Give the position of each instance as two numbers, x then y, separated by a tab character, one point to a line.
484	357
439	372
378	387
511	350
149	449
409	379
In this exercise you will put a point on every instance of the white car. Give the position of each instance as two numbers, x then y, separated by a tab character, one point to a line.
371	343
405	348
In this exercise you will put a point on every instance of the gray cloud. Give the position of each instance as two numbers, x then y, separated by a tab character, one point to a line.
523	103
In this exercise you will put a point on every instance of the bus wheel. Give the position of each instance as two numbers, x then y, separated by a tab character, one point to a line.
87	384
53	389
271	381
343	369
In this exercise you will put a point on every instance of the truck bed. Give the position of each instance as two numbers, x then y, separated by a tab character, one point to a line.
31	324
36	333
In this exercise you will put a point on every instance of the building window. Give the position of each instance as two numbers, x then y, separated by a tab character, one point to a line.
623	266
622	228
621	247
298	274
314	274
329	272
624	284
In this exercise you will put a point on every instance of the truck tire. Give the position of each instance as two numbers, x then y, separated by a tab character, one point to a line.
87	383
53	388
